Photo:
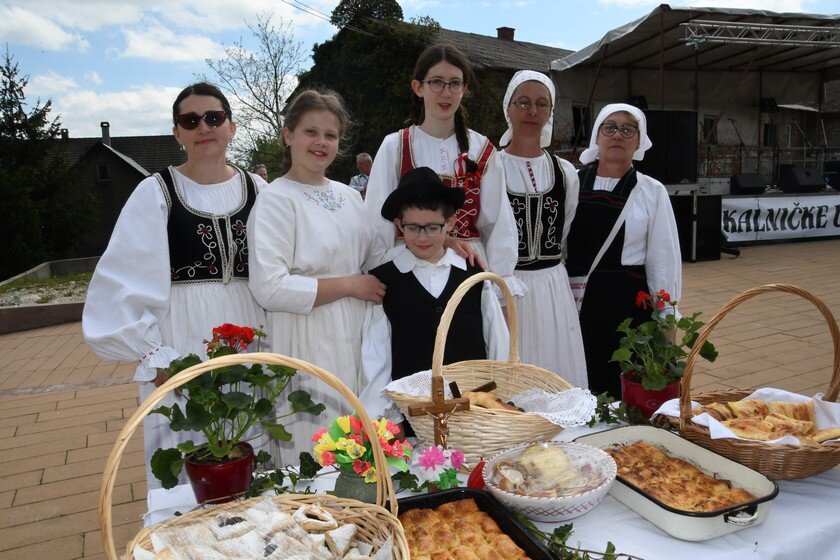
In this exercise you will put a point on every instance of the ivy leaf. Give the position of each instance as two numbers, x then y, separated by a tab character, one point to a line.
406	481
302	402
309	467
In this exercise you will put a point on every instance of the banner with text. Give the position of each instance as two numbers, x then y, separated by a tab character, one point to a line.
756	218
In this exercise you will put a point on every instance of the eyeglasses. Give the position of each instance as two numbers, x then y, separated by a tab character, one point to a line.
526	105
190	121
432	230
437	85
626	130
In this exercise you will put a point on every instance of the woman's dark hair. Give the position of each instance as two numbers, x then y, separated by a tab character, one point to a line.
312	100
200	88
443	52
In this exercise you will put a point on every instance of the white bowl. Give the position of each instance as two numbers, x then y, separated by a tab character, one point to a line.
599	468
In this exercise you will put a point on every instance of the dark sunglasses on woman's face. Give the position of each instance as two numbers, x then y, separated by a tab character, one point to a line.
189	121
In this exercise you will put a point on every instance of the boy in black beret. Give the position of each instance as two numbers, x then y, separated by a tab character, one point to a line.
421	277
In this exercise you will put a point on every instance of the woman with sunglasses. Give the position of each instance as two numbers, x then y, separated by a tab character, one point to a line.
177	262
543	192
438	138
644	253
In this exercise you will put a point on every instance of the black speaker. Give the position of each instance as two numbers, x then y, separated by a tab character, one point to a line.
747	183
800	180
707	240
673	157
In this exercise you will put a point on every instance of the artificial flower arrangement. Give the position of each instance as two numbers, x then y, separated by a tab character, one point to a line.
345	445
229	405
438	467
650	352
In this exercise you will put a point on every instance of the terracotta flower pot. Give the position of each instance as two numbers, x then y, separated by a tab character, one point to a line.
221	482
353	486
644	400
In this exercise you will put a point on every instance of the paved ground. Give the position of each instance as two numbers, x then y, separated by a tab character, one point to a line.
61	408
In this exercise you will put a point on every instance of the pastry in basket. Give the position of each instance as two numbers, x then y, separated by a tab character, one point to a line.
489	400
673	481
760	421
457	530
821	436
798	410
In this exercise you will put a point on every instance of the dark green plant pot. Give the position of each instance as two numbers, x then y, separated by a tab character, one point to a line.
354	487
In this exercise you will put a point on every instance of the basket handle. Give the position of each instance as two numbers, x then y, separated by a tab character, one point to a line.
384	486
685	387
449	313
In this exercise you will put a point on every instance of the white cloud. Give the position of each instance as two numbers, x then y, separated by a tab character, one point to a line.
49	84
21	26
142	110
93	77
159	43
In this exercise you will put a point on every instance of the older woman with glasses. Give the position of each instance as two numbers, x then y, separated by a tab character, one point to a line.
177	262
624	238
543	192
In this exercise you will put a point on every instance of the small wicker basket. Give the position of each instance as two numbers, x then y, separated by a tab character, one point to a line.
785	462
374	521
482	432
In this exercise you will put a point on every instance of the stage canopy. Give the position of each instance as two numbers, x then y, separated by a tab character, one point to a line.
733	55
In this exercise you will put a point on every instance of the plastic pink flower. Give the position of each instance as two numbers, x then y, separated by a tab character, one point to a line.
432	458
397	450
317	435
457	459
355	424
327	458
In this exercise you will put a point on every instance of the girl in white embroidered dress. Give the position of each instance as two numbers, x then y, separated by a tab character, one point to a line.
310	240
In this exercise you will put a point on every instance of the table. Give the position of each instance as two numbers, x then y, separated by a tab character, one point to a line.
803	523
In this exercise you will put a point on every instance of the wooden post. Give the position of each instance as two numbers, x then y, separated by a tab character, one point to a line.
440	409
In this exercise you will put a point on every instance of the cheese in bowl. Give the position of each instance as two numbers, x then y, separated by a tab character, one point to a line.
552	481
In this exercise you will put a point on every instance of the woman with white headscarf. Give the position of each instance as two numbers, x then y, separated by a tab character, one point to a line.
644	254
543	192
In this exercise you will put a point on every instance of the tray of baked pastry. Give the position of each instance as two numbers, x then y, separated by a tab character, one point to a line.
454	523
686	490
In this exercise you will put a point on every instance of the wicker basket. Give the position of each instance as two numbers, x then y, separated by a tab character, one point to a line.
786	462
481	432
374	521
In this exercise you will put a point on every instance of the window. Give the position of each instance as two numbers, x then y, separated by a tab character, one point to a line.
709	125
103	172
769	135
582	121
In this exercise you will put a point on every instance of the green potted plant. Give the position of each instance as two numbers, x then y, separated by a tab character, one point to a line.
230	405
652	354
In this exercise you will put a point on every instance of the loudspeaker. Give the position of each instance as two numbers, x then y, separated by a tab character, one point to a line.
673	157
800	180
707	241
747	183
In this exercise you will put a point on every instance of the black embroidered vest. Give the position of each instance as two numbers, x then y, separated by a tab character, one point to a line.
539	220
414	315
206	247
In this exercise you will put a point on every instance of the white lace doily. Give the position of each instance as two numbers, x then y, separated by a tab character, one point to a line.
573	407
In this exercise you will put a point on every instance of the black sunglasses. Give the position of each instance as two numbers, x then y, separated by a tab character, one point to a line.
189	121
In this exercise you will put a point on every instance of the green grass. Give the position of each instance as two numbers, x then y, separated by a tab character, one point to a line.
34	282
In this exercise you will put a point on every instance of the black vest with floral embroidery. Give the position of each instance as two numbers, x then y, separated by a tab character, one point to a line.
205	247
539	220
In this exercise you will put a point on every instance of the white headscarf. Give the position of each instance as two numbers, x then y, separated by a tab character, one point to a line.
591	154
518	78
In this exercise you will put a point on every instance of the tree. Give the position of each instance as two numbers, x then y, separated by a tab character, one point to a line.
46	217
369	63
258	83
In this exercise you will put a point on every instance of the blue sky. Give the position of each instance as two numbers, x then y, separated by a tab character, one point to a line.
125	61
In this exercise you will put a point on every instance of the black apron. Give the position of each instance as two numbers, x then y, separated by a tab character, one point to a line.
611	291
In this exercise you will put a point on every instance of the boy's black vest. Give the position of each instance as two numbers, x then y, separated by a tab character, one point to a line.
206	247
414	315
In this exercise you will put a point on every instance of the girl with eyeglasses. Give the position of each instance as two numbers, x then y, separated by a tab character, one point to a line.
177	263
543	193
310	240
644	254
438	138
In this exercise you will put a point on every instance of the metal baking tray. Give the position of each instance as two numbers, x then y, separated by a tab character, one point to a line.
689	525
523	538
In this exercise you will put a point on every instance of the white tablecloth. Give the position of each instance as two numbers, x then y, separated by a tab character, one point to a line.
803	523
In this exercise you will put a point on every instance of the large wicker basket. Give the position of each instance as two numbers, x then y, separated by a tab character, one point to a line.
786	462
374	521
481	432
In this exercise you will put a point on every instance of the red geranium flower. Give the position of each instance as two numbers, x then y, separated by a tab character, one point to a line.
642	299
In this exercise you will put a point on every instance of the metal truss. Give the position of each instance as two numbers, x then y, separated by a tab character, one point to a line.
705	31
